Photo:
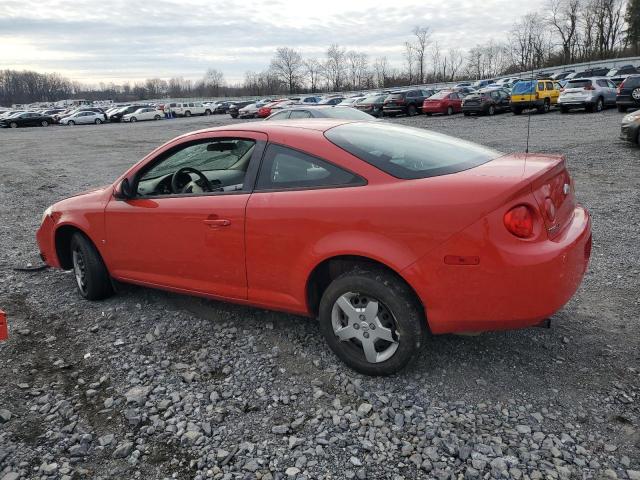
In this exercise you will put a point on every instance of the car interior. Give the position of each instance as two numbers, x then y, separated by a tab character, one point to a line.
212	166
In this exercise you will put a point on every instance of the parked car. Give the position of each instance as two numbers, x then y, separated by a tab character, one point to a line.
266	110
10	113
350	101
372	105
482	84
26	119
126	110
320	220
405	102
541	94
630	127
330	101
562	75
445	101
329	111
592	94
142	114
487	101
51	113
187	109
462	84
83	118
222	107
628	93
623	70
312	99
249	111
235	107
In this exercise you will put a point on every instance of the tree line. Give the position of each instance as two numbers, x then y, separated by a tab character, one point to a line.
567	31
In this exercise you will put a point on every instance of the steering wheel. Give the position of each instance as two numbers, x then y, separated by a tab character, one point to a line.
176	176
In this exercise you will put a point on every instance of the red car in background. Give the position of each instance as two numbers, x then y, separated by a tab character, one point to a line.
384	233
445	101
266	110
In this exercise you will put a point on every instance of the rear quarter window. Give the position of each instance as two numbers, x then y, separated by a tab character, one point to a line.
406	152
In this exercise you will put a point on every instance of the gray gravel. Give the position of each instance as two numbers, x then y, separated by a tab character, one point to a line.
153	385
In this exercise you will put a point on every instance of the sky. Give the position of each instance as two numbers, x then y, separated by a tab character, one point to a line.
94	41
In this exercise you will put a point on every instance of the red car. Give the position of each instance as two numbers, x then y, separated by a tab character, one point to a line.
265	110
383	232
445	101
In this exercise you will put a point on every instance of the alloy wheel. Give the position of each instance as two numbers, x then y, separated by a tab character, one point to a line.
80	270
367	325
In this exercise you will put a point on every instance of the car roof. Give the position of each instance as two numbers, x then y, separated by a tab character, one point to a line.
278	126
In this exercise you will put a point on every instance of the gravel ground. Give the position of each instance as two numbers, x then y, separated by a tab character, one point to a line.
154	385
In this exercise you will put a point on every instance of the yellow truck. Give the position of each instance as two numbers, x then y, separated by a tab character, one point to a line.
540	94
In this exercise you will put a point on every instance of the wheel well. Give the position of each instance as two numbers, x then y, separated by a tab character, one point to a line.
63	245
324	273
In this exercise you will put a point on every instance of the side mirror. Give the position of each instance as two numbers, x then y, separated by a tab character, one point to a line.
124	190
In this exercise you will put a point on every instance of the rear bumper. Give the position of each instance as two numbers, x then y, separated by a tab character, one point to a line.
627	101
577	103
528	104
514	285
394	109
434	109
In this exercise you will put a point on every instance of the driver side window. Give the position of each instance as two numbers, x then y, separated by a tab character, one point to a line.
215	165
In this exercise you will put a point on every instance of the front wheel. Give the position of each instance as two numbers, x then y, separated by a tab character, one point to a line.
516	110
157	117
133	119
187	113
450	111
466	114
92	277
71	123
372	321
564	110
44	123
492	110
98	121
207	112
412	111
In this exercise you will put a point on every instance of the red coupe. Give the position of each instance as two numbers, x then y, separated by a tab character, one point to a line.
383	232
266	110
445	101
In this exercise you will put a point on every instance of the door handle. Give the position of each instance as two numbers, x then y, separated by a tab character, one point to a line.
218	223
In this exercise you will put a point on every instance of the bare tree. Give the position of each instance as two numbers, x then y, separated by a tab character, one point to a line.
409	58
381	71
530	43
287	65
357	65
213	80
313	68
420	44
632	17
564	20
456	60
334	66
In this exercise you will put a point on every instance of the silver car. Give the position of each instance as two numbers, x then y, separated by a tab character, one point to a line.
591	93
83	118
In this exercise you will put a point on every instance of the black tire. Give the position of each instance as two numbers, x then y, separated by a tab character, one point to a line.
400	307
71	123
187	113
466	114
599	105
428	114
412	111
95	282
516	110
450	111
44	123
545	106
491	110
157	117
564	110
13	125
234	116
207	112
622	109
98	121
133	119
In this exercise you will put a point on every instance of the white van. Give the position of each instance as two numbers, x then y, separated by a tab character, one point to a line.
188	109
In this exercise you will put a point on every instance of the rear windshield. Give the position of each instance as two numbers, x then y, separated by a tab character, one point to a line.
346	113
524	87
439	95
406	152
577	84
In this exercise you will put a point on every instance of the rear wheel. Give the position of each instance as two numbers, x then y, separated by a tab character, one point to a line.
516	110
98	121
599	105
157	117
71	123
491	110
92	277
207	112
412	111
133	119
13	125
371	320
545	106
622	109
187	113
44	123
450	111
466	114
564	110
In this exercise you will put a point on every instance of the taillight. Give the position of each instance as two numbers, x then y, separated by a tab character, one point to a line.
519	221
537	95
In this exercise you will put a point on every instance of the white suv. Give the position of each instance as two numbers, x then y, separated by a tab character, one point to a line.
188	109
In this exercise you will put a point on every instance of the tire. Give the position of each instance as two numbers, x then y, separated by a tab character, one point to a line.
635	94
207	112
492	110
98	121
599	105
133	119
466	114
71	123
516	110
187	113
13	125
564	110
622	109
450	111
92	277
44	123
402	321
157	117
428	114
234	116
545	106
412	111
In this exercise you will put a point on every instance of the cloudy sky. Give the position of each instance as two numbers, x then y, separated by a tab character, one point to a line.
128	40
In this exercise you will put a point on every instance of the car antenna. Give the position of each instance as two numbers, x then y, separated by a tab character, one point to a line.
535	86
